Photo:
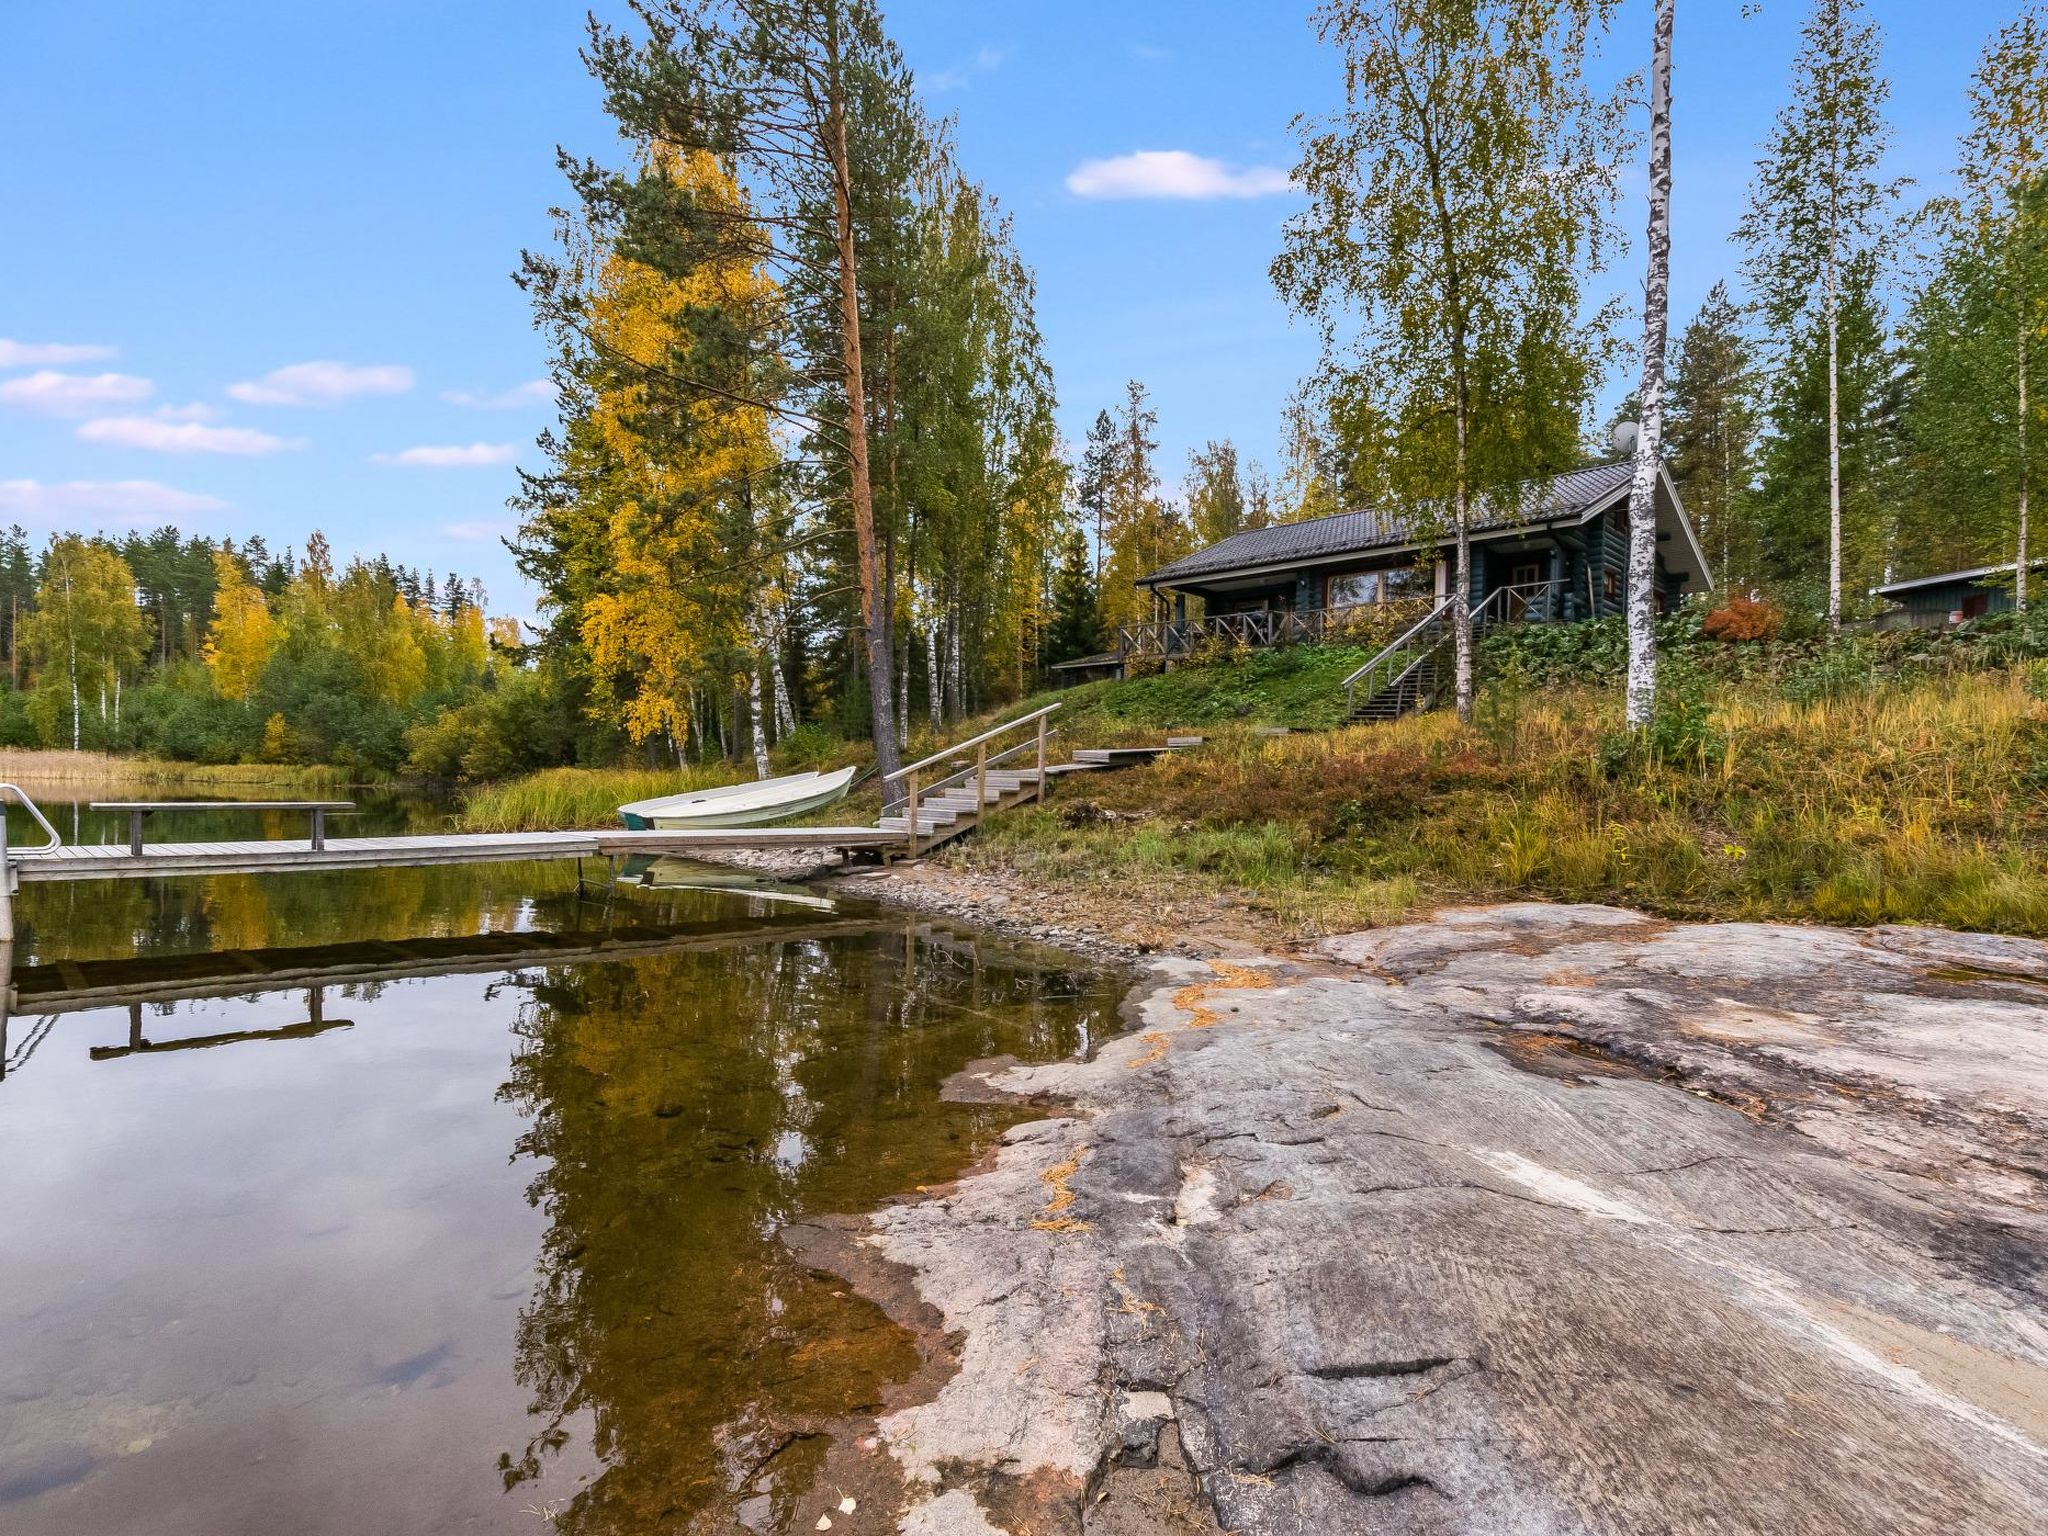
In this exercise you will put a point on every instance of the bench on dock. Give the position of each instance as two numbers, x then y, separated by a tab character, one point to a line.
140	810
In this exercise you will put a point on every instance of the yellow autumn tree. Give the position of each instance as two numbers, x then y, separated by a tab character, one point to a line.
671	600
243	633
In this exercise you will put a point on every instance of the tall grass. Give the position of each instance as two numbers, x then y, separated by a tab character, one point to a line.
563	799
58	766
1904	802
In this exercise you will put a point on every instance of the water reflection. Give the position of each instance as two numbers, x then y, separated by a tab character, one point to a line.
505	1246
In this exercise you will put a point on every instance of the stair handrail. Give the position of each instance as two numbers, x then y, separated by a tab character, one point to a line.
973	741
35	813
909	771
1394	648
995	759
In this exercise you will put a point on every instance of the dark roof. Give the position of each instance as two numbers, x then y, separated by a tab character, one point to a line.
1951	578
1572	494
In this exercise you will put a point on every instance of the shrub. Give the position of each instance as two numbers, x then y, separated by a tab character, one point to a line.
1744	618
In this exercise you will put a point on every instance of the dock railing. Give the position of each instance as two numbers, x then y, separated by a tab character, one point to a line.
909	772
9	880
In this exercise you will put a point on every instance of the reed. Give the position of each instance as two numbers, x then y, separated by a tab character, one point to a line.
568	799
58	766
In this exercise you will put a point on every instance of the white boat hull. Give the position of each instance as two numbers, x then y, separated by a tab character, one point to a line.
739	805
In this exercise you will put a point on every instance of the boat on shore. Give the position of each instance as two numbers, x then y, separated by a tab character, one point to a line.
739	805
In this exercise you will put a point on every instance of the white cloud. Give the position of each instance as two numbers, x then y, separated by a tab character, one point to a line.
1173	173
451	455
322	383
478	532
47	354
174	432
955	77
119	501
533	392
73	394
193	412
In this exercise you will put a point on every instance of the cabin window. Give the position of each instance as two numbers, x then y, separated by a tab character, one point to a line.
1610	583
1352	588
1405	581
1525	573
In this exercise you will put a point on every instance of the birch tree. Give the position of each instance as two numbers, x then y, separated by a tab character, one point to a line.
1819	205
1456	201
1642	493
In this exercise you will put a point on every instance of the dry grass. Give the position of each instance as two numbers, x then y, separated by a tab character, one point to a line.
56	766
1903	803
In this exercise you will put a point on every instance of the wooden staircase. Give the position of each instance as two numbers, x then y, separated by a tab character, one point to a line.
935	813
1413	672
1412	690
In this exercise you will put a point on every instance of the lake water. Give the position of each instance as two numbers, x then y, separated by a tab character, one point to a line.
449	1199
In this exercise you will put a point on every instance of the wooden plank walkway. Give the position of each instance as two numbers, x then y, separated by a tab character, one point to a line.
114	861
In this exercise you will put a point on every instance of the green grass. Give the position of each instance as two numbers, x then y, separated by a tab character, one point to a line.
1913	801
563	799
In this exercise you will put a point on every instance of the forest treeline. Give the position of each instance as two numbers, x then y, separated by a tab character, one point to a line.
807	486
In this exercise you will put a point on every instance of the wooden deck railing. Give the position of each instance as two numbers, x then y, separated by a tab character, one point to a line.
1350	623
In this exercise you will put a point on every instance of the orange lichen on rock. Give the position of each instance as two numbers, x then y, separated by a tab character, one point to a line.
1054	1217
1229	978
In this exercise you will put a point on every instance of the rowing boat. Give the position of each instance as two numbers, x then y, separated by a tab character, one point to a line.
739	805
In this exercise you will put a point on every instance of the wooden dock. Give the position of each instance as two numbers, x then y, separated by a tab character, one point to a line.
267	856
980	784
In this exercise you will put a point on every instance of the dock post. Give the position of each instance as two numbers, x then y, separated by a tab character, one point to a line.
980	780
910	818
1041	758
6	886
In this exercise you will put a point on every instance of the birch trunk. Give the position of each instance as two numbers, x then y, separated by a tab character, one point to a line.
956	682
1642	494
74	693
1834	451
754	713
931	669
2019	590
874	616
785	717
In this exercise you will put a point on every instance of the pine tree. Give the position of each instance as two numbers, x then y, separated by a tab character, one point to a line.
1713	432
1820	216
1093	479
1077	615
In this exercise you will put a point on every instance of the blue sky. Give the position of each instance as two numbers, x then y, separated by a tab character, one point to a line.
255	268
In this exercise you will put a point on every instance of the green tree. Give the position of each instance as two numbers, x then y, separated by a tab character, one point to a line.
1145	531
86	631
1217	502
1093	478
1825	466
1456	203
780	92
1077	613
1983	327
1820	217
1713	432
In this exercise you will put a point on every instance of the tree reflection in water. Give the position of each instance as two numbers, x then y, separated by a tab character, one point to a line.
684	1108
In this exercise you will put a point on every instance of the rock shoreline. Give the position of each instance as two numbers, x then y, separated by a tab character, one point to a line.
1528	1218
